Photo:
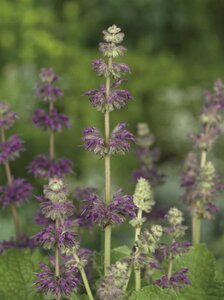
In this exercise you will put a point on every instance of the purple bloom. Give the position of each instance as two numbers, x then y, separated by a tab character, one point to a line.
51	236
120	139
96	211
176	248
177	280
7	117
48	93
48	75
42	166
54	121
107	49
84	193
17	193
116	100
99	66
58	286
10	149
93	141
57	210
24	242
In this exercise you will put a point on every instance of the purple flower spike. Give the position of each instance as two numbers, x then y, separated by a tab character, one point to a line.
17	193
11	149
42	166
97	98
93	141
54	121
120	140
61	286
7	117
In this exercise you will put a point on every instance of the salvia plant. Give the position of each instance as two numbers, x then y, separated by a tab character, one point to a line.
158	262
199	178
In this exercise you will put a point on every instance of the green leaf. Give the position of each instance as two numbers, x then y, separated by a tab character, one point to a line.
17	274
119	253
155	293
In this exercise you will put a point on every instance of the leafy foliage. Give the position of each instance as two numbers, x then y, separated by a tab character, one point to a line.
17	274
201	264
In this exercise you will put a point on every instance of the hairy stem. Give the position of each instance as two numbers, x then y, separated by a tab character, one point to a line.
107	244
137	233
138	228
84	277
57	255
137	279
51	141
170	269
128	279
196	220
12	205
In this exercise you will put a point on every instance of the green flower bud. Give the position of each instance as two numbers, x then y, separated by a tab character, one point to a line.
142	197
174	216
157	231
136	222
56	190
113	35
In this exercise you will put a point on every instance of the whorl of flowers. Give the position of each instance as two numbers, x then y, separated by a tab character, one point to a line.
143	198
211	118
7	117
177	280
52	286
201	187
111	286
119	142
147	156
95	210
53	121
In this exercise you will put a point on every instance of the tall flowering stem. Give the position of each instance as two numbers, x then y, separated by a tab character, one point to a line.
106	99
172	250
199	177
17	190
144	202
51	120
60	279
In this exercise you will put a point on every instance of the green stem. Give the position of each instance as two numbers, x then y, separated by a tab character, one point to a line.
170	269
138	228
84	278
51	140
107	241
137	279
128	279
57	255
12	205
196	220
137	233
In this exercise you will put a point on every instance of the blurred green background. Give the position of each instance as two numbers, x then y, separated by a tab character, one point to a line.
175	51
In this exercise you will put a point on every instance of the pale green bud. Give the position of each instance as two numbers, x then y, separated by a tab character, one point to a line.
142	197
157	231
113	35
56	190
175	216
137	222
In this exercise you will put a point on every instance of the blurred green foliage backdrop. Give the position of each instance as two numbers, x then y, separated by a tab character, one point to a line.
175	50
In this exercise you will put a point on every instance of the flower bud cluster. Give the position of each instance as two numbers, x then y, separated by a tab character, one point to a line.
201	187
111	286
147	156
211	118
143	198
